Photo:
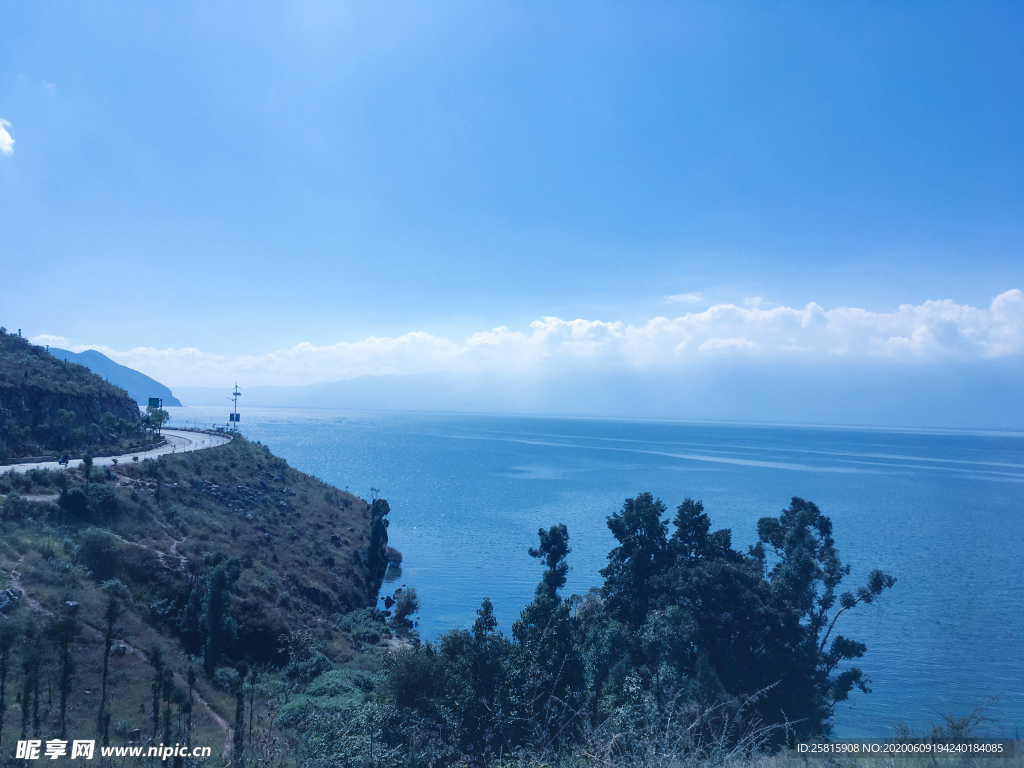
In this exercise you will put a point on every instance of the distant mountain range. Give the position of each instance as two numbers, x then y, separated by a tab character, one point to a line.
140	386
865	394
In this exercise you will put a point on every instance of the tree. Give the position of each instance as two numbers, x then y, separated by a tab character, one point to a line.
807	573
110	616
640	557
376	549
554	673
87	467
238	685
155	657
63	631
31	661
167	688
553	549
485	624
155	418
220	628
406	604
191	678
8	635
683	624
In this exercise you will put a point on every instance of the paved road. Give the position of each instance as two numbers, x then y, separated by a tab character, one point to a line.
178	441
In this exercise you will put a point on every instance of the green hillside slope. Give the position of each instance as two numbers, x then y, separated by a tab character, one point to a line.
213	558
48	405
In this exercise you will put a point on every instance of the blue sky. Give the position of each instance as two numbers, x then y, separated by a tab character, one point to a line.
241	179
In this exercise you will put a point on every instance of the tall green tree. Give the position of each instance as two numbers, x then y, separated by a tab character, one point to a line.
376	548
155	657
238	740
8	636
554	675
31	664
638	560
167	688
63	629
110	617
219	626
190	704
807	573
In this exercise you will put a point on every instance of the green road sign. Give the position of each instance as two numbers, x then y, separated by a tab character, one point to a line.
154	402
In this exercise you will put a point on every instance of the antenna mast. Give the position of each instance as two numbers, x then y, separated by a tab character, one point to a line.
234	416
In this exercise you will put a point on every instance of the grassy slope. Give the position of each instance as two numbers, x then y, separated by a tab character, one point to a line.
237	499
36	387
26	364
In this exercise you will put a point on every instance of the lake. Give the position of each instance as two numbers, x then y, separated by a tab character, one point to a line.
941	511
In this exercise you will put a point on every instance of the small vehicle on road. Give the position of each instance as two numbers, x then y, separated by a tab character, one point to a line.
63	460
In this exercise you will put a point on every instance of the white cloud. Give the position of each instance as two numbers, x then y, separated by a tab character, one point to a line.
686	298
6	141
934	330
736	343
51	341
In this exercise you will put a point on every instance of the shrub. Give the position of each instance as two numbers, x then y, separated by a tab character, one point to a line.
15	507
393	556
100	552
75	503
406	604
103	502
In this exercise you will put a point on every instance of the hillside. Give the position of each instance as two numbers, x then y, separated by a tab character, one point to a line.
214	557
48	405
138	385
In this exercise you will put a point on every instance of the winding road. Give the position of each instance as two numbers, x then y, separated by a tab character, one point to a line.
178	441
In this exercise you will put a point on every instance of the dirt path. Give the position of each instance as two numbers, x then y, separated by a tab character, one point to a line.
35	606
16	584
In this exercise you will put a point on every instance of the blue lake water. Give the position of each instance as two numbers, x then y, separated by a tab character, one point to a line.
942	511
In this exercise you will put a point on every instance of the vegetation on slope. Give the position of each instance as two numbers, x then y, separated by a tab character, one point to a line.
49	405
221	567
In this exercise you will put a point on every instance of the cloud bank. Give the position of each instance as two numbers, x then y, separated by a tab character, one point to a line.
6	141
935	331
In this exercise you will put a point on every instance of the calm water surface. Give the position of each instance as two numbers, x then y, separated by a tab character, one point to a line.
940	511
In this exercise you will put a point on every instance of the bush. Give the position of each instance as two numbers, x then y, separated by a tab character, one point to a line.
40	477
15	507
47	547
100	552
330	685
75	503
406	604
103	502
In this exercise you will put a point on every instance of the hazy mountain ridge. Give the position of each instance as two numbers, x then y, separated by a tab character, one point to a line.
140	386
862	394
